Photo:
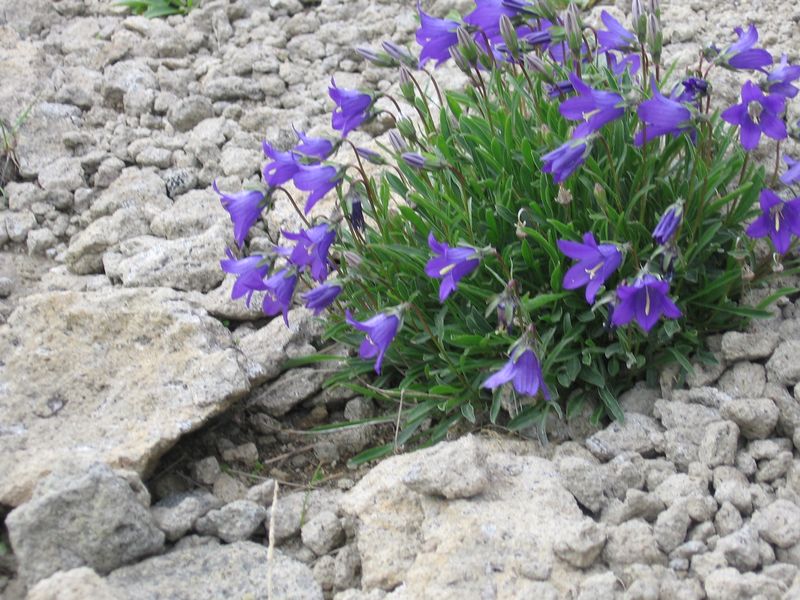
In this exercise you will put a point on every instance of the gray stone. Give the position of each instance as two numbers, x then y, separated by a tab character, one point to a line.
585	480
323	533
262	493
623	472
246	454
289	390
85	252
346	568
191	214
189	111
232	88
229	489
62	174
152	156
39	140
6	287
638	433
729	584
126	77
639	399
632	542
40	240
756	417
779	523
788	408
176	515
297	508
728	519
581	545
784	366
707	396
325	572
18	224
90	519
137	370
740	548
671	527
744	380
730	485
133	188
719	444
748	346
234	522
76	584
456	470
206	470
231	571
774	468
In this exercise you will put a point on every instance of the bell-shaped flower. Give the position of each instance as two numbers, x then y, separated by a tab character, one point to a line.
645	302
523	371
311	249
780	220
279	291
742	55
352	108
250	272
451	264
317	179
662	116
779	80
321	297
756	114
792	174
319	148
244	208
436	36
281	168
594	107
596	263
380	330
615	37
564	160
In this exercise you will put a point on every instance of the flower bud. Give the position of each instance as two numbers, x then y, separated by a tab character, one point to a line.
536	64
654	7
509	34
400	54
467	46
639	18
352	259
600	193
427	162
459	60
406	84
397	141
564	196
654	37
406	128
573	30
379	59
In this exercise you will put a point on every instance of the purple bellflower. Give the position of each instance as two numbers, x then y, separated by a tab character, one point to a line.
662	116
352	108
560	88
311	249
244	208
317	179
668	224
596	263
779	80
694	89
564	160
645	302
525	373
436	36
594	107
321	297
283	167
450	264
742	55
779	220
757	114
381	330
630	61
279	291
486	17
792	174
616	37
319	148
250	272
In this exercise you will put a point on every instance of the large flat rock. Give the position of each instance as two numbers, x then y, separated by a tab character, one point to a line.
115	375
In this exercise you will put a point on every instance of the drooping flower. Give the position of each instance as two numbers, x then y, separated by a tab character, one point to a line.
321	297
436	36
668	224
560	88
564	160
357	213
662	116
779	80
630	61
352	108
283	167
486	17
451	264
525	373
317	179
645	302
779	220
311	249
594	107
320	148
757	114
279	291
694	89
250	272
742	55
596	263
244	208
616	37
792	174
381	330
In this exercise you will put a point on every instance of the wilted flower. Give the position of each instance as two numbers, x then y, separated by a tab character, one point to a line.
450	265
779	220
757	114
352	108
616	37
381	330
279	291
563	161
524	371
742	55
311	249
317	179
779	80
244	208
436	36
250	272
792	174
662	116
668	224
596	263
321	297
597	107
645	302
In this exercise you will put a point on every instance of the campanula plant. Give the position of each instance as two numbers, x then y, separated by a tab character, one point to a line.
579	215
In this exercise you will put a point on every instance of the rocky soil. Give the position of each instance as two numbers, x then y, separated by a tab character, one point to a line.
146	419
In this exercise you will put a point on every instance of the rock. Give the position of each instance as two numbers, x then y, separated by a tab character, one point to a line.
137	369
127	78
729	584
236	570
411	538
581	545
779	523
18	224
262	493
289	390
774	468
246	454
630	543
189	111
748	346
39	139
740	548
718	446
727	520
90	519
323	533
671	527
40	240
784	366
601	586
456	470
730	485
190	215
85	252
133	188
707	396
638	433
756	417
62	174
744	380
295	509
175	515
234	522
206	470
639	399
77	584
325	572
229	489
585	480
346	568
6	287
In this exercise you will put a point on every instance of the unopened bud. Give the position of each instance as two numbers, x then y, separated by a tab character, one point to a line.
509	34
654	6
536	64
654	37
427	162
564	196
400	54
600	193
639	18
459	60
406	128
352	259
572	29
377	58
406	84
397	141
467	46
